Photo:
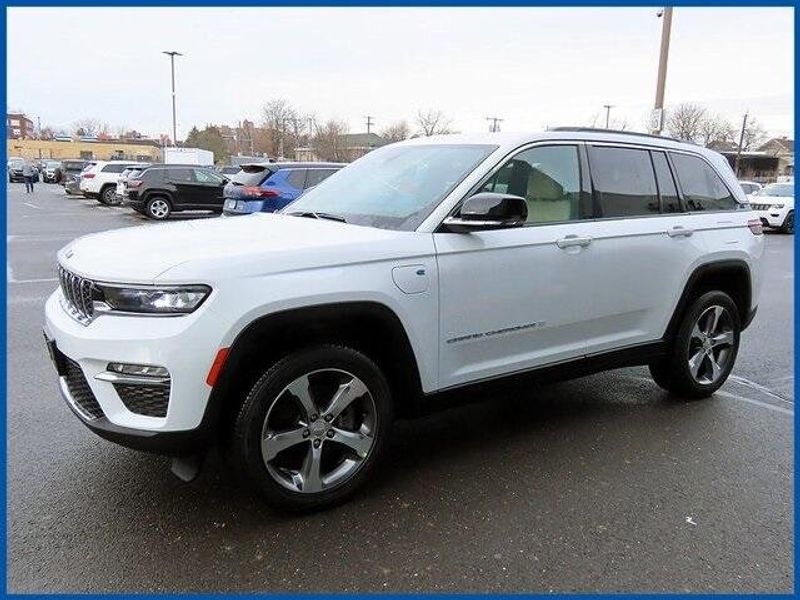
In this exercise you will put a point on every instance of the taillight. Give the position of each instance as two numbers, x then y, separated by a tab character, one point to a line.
257	192
88	175
756	226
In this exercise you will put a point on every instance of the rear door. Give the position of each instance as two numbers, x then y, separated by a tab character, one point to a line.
642	245
210	188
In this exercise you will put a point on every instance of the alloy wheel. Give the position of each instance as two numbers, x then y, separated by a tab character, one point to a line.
711	345
319	431
159	209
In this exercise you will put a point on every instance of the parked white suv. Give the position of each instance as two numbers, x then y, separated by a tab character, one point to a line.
100	180
292	339
774	205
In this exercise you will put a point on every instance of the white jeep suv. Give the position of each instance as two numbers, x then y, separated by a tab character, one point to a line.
100	180
774	205
293	339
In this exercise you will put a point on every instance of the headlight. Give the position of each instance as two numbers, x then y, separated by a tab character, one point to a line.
778	205
167	300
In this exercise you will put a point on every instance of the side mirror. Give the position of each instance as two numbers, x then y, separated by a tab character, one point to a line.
488	210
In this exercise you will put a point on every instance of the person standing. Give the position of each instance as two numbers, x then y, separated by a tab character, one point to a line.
27	175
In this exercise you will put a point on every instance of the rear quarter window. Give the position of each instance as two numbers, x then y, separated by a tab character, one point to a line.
701	186
296	178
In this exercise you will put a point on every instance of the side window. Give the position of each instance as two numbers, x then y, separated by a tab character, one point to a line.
297	178
666	184
315	176
702	188
204	176
114	168
152	175
548	177
624	182
181	175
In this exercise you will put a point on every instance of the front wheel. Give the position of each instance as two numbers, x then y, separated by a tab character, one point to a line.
788	223
704	349
313	427
158	208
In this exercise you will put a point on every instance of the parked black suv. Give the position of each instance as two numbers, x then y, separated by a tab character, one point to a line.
160	190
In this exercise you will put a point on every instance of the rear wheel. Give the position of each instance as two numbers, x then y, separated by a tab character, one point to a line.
108	196
313	428
704	350
158	208
788	223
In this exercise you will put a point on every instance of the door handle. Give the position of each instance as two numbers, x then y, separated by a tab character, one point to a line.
573	240
679	231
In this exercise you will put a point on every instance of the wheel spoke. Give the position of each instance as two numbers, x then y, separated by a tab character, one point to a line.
344	396
714	319
300	388
277	442
722	339
697	333
310	471
356	440
715	368
695	362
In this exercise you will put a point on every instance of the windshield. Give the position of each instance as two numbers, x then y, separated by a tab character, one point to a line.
251	175
394	187
778	189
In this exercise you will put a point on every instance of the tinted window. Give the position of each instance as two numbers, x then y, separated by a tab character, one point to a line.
314	176
181	175
297	178
702	188
624	183
251	175
204	176
666	184
547	177
115	168
151	175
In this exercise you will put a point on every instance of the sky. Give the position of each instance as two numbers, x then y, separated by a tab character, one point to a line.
533	67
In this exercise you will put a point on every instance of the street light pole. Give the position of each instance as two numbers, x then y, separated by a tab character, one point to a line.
666	29
172	54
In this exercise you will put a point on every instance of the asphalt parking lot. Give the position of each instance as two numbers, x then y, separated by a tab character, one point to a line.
603	483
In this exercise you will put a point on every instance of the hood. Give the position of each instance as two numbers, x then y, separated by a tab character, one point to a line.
188	250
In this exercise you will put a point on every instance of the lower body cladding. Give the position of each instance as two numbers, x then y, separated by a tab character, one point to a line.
134	380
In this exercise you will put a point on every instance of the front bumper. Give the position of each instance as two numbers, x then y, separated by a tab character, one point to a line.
773	217
186	346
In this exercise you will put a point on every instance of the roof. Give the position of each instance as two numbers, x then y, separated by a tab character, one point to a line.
292	165
782	141
362	140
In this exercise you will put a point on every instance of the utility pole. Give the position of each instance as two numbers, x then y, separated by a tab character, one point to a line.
741	142
172	54
370	123
608	108
666	29
495	126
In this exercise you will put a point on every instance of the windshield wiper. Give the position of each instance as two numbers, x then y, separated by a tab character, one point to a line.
318	215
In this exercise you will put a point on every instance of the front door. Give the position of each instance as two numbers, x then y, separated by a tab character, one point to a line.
518	298
209	188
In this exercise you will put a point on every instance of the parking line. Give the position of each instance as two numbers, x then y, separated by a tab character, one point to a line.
42	280
32	205
760	388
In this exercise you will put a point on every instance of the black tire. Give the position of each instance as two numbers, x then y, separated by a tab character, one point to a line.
108	195
158	208
788	223
674	372
244	444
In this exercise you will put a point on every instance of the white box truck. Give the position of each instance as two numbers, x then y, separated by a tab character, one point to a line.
188	156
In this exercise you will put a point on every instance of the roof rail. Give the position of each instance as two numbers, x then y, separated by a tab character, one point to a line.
616	131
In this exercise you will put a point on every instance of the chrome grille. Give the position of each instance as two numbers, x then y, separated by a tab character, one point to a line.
78	294
760	206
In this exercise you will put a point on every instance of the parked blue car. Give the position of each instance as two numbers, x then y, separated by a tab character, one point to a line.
267	187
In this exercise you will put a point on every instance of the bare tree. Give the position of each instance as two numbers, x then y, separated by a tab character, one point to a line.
328	143
754	135
396	132
280	119
90	127
433	122
714	129
685	121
